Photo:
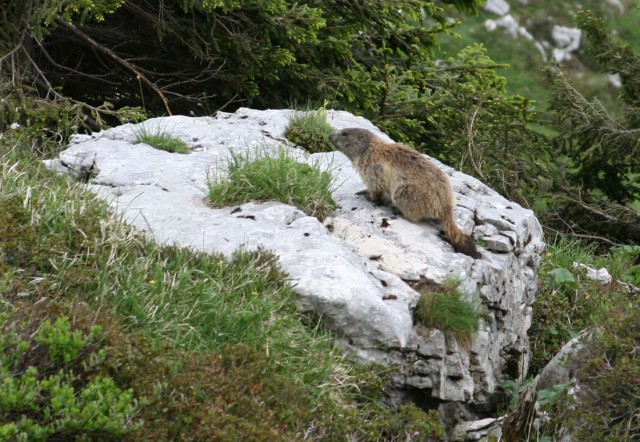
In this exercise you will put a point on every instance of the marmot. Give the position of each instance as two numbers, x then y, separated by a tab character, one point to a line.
417	187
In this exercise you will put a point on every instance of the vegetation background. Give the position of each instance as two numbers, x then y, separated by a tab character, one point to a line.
99	340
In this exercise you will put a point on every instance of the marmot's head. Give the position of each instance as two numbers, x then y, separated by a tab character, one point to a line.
353	142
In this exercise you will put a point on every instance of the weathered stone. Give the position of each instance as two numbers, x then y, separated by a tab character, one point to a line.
558	369
567	40
476	430
498	243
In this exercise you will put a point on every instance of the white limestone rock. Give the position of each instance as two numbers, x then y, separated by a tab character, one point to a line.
497	7
567	40
354	269
477	430
510	25
558	369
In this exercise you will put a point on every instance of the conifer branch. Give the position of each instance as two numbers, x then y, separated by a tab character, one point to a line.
129	66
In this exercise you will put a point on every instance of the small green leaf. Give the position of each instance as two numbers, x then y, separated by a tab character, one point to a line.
562	276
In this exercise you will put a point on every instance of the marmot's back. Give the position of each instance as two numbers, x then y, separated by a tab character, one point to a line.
432	194
416	186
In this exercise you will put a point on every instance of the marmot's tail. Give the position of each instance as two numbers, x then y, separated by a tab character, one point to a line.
460	241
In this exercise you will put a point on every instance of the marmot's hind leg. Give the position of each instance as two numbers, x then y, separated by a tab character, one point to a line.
404	198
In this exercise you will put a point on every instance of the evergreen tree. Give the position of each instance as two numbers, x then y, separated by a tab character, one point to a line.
199	56
601	184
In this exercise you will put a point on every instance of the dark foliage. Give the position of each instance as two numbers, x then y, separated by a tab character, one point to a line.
174	56
601	181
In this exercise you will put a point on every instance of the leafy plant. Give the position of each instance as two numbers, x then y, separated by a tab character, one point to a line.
548	397
156	137
562	277
310	130
53	395
604	405
263	177
448	311
567	301
632	274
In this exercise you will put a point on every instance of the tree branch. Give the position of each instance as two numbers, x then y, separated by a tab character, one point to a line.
131	67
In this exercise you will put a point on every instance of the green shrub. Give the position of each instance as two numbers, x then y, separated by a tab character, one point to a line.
446	310
263	177
567	302
42	128
50	389
605	404
310	130
160	139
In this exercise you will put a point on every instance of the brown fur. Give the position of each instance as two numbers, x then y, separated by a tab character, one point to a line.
416	186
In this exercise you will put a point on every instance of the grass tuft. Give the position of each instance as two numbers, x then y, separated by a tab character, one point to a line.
446	310
160	139
310	130
261	177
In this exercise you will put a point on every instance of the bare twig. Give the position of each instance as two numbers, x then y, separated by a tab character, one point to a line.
130	67
471	147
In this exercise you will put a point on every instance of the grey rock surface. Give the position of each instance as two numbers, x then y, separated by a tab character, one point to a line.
558	369
355	268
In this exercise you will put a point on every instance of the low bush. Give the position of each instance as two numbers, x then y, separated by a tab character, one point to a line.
567	301
53	382
605	404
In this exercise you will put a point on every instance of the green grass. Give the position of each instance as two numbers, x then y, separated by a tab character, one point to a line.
567	301
160	139
259	176
447	310
198	347
310	130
